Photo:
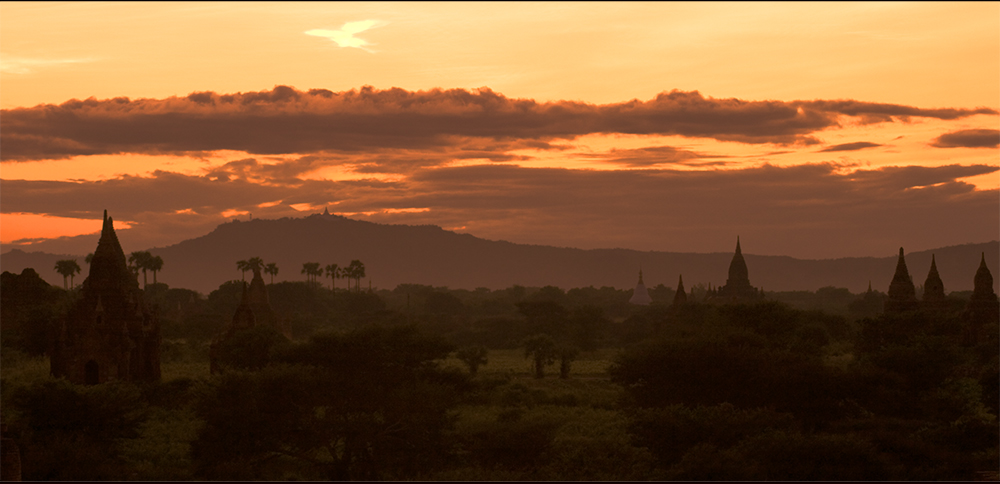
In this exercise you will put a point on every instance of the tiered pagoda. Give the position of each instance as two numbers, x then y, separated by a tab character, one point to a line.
254	309
738	286
109	334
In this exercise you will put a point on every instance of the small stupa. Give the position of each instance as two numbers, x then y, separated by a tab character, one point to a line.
640	296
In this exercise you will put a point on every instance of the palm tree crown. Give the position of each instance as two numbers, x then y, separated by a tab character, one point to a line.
311	270
333	272
67	267
140	261
155	264
271	269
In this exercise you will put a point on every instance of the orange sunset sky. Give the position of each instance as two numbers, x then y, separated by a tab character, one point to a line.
814	130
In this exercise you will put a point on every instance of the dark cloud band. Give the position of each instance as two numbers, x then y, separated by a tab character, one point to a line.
285	120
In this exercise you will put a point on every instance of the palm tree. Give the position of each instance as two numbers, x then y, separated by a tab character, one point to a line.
244	266
311	270
332	271
255	264
271	269
155	264
345	273
67	268
89	258
356	270
140	262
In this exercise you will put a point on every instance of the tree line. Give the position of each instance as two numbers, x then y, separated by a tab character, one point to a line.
137	261
355	271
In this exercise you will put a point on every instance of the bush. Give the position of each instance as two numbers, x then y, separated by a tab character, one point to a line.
671	432
71	432
709	372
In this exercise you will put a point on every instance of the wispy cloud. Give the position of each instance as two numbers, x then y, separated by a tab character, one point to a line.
345	37
860	145
23	65
968	138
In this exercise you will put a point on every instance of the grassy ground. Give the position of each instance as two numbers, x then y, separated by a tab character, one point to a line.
513	363
547	429
561	428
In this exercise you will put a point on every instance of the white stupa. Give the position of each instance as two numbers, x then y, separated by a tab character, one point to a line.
640	296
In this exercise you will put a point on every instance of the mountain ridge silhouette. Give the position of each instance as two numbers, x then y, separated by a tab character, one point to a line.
430	255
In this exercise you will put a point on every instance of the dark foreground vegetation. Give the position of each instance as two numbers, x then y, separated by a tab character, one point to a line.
515	384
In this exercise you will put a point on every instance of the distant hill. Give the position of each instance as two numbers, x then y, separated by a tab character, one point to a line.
16	260
395	254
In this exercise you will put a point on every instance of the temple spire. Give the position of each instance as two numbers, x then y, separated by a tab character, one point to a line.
680	297
983	310
738	284
933	286
902	293
983	282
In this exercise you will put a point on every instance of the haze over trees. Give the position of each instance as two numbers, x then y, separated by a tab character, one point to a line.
463	261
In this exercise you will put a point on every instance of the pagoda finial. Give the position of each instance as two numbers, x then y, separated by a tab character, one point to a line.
738	251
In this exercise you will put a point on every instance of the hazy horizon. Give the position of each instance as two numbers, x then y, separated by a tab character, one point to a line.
84	242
